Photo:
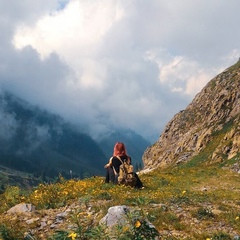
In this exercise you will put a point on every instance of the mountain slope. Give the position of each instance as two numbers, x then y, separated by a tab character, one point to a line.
36	141
210	123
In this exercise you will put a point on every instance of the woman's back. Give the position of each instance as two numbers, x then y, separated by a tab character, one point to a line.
116	162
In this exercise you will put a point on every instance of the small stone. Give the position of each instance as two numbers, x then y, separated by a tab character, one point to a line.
30	221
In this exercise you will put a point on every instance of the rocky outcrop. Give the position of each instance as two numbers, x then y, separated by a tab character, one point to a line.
211	118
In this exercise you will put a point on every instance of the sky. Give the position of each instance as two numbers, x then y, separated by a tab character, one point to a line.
107	64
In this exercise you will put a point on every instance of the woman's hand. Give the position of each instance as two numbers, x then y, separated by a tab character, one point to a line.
107	165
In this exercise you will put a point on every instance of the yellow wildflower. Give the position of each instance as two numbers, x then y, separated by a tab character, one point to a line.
208	238
72	235
237	218
183	192
81	214
137	224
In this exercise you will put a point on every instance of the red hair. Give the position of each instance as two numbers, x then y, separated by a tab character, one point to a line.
119	149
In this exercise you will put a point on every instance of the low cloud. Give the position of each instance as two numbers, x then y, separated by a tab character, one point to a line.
8	126
104	64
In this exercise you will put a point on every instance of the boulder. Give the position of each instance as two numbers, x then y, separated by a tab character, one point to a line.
22	208
116	215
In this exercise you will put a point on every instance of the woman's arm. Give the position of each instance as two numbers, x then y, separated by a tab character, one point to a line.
109	163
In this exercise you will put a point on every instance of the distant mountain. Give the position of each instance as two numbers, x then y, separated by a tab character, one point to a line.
36	141
208	129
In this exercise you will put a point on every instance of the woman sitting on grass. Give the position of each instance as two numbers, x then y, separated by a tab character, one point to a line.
113	167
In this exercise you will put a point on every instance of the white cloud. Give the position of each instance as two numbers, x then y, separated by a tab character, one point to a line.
76	34
113	62
178	73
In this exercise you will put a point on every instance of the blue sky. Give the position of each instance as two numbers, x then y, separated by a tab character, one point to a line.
104	64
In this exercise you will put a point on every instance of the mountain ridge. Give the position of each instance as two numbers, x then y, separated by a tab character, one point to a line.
215	111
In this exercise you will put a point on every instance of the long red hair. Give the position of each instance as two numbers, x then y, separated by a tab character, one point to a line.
119	149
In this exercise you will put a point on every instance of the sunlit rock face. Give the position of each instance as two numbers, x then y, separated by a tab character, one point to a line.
210	123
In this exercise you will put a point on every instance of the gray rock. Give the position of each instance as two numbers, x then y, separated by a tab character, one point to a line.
32	220
116	215
21	208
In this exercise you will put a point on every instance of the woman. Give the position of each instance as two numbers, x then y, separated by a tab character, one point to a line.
113	167
114	163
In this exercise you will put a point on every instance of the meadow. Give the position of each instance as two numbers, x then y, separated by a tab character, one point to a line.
192	201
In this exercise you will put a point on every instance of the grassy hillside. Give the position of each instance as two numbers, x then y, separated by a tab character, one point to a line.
198	200
10	177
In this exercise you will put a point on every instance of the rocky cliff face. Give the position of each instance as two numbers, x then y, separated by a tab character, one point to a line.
210	121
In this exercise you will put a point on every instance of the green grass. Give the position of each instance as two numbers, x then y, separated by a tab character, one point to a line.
198	194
